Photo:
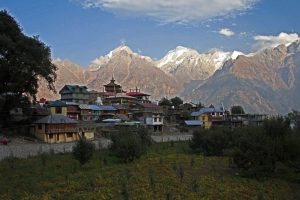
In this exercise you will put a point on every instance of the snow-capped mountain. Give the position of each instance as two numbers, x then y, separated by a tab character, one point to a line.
187	64
266	81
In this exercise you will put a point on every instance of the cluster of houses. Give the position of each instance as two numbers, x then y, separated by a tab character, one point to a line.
74	115
79	111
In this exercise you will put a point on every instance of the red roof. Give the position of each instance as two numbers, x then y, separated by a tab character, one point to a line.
137	94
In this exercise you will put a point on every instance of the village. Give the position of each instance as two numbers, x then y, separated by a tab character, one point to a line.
81	112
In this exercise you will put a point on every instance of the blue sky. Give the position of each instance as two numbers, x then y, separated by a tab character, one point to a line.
82	30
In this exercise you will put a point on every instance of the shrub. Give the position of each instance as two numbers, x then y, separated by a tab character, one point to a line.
209	142
130	144
83	151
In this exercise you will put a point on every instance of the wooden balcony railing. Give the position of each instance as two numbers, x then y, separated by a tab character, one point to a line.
61	130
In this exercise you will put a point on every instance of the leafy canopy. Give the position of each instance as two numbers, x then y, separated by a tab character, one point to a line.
235	110
23	61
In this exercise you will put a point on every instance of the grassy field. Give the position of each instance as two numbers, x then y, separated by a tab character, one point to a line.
165	172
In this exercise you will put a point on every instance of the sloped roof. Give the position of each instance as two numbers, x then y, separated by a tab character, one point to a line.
55	119
193	122
207	110
58	103
72	88
84	107
119	95
107	108
72	104
137	94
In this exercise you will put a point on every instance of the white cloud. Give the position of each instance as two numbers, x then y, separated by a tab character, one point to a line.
263	41
174	11
227	32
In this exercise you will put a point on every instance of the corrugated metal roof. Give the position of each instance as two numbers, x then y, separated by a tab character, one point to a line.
84	107
193	122
111	108
58	103
55	119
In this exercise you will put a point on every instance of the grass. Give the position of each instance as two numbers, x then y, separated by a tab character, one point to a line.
165	172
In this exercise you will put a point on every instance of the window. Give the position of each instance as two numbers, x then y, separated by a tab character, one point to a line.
51	136
40	126
69	135
57	137
155	119
58	110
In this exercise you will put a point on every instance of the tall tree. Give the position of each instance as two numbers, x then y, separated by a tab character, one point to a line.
237	110
164	102
23	61
176	101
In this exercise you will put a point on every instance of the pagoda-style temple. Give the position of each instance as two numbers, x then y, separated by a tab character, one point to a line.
112	88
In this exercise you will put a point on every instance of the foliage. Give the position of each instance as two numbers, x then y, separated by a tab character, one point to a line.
130	144
200	105
294	117
237	110
165	102
176	102
83	150
255	150
209	142
23	61
95	181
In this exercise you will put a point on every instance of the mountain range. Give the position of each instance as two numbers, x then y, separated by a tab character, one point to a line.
266	81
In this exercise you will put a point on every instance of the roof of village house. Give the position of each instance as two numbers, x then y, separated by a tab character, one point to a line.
193	122
84	107
58	103
137	94
102	107
72	104
72	89
120	106
207	110
55	119
120	95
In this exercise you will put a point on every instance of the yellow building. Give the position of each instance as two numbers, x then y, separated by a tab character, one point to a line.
58	128
209	116
58	108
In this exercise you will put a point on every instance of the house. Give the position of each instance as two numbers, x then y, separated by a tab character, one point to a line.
73	110
96	112
192	125
58	107
120	98
107	111
242	120
121	109
140	96
85	112
57	128
75	93
210	116
151	115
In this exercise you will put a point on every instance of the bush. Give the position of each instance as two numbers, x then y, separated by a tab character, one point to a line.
255	150
210	142
83	151
130	144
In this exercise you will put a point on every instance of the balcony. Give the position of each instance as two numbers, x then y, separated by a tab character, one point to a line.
61	130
